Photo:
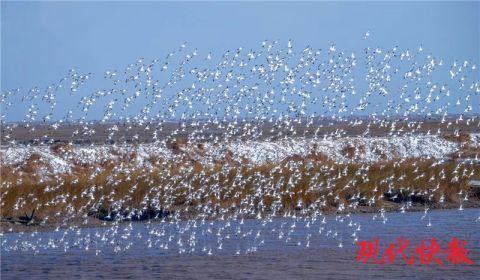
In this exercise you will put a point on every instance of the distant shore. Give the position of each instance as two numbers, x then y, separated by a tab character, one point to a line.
122	132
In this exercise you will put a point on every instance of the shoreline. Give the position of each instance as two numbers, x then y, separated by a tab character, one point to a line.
392	207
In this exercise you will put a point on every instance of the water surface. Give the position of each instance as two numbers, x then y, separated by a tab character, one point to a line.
280	248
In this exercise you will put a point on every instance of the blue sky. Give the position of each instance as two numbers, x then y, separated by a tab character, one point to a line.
41	41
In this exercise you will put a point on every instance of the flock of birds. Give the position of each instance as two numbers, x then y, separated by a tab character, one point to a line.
267	93
271	84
